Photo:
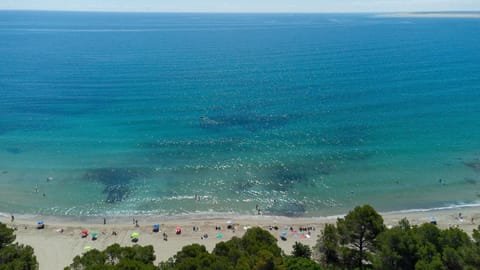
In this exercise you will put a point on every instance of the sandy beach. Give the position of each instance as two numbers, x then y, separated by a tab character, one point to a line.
55	250
447	15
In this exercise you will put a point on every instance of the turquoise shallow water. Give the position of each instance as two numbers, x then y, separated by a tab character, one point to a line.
301	114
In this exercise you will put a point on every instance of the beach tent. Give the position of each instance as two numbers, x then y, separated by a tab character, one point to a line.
156	227
178	230
40	225
84	233
283	236
94	235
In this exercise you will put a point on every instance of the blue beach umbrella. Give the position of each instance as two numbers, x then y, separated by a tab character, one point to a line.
219	235
283	234
156	227
40	225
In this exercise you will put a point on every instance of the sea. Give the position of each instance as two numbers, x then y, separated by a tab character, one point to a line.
299	115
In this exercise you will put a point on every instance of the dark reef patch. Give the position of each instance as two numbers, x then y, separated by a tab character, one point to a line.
289	209
248	121
14	150
285	178
474	165
470	181
351	136
116	181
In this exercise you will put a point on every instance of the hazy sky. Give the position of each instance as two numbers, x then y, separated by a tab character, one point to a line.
245	5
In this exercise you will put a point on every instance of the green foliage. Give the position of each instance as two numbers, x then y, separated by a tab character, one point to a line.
6	235
257	239
476	235
257	249
396	248
328	245
300	263
301	251
15	256
116	257
426	247
358	232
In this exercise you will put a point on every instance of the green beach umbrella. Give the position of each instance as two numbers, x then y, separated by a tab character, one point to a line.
87	248
94	234
134	235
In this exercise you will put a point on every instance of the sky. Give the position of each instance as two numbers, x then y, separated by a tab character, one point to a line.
288	6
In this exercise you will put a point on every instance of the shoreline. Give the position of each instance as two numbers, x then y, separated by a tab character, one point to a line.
64	246
123	219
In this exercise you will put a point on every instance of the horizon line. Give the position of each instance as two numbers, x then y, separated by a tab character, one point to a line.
238	12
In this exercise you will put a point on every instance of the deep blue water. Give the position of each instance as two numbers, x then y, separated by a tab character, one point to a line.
300	114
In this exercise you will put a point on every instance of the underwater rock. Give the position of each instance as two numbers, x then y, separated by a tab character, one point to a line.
475	165
471	181
289	209
13	150
250	122
116	193
116	181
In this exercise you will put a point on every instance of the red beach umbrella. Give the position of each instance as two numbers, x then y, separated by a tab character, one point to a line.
84	232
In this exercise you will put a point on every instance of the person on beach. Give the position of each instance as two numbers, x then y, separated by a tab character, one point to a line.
13	218
136	223
104	221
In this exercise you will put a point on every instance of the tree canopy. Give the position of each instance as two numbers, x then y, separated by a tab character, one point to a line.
15	256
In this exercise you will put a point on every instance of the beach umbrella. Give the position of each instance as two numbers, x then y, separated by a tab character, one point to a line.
84	233
134	235
229	222
40	225
87	248
178	230
94	235
283	234
219	235
156	227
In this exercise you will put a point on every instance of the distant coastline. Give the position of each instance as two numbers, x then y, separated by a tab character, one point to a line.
453	15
